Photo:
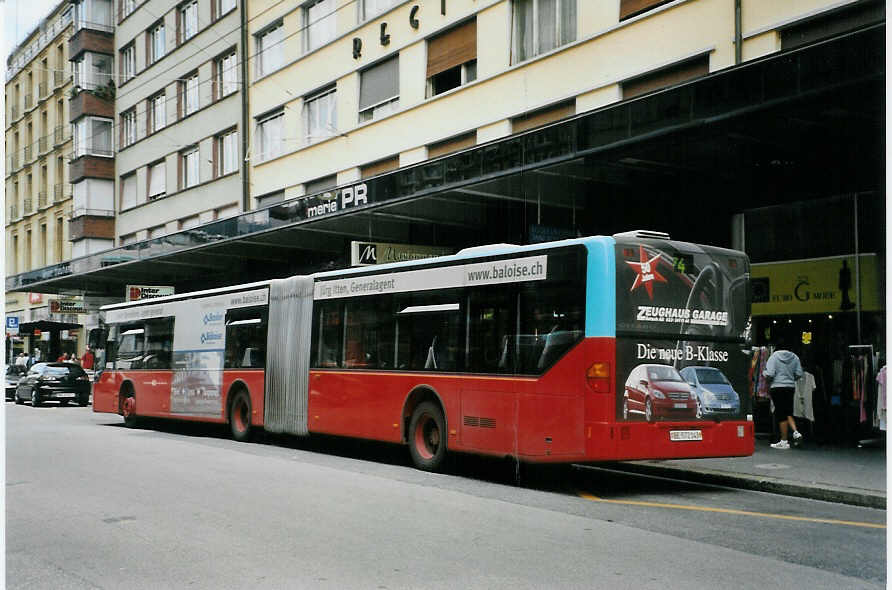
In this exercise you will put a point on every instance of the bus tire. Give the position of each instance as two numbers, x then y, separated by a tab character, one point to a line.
240	415
128	410
427	437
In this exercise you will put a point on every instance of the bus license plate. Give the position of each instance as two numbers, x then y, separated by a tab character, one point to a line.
681	406
685	435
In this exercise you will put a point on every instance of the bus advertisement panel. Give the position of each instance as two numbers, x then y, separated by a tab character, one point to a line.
682	319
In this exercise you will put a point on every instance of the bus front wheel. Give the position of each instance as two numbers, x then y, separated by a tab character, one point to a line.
427	437
128	410
240	416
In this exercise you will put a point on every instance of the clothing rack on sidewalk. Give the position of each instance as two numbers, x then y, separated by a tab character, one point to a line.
864	391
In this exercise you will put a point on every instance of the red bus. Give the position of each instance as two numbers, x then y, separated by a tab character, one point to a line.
568	351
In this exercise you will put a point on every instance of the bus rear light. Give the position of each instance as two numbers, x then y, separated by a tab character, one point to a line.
598	377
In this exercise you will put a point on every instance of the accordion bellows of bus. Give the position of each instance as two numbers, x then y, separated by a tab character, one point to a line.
569	351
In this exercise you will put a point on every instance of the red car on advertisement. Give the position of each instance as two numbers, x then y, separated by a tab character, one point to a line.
658	392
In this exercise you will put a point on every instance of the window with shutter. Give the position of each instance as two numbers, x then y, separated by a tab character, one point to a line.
452	58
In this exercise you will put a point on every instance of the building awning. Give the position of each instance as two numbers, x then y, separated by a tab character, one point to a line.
789	126
46	326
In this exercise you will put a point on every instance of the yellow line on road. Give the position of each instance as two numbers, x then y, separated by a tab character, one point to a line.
730	511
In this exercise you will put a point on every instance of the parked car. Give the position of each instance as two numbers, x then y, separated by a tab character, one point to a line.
62	382
657	392
13	374
715	394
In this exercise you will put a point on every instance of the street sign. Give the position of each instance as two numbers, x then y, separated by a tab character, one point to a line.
12	325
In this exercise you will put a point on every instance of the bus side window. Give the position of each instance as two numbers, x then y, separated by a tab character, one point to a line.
159	343
246	338
551	322
430	330
327	334
369	334
492	328
131	347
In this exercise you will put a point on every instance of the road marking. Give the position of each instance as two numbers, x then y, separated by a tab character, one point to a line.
729	511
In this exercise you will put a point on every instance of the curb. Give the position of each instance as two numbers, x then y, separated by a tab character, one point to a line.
773	485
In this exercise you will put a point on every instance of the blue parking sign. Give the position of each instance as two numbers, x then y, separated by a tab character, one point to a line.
12	322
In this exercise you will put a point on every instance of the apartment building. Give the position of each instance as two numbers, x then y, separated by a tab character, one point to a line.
38	194
178	114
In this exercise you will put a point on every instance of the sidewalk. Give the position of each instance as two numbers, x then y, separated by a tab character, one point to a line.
846	475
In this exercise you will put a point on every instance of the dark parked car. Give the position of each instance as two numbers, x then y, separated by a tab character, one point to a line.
656	392
715	395
62	382
13	374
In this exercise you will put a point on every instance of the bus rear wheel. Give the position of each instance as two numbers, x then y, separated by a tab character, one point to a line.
240	416
427	437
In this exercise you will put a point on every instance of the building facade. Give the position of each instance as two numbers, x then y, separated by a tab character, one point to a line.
179	117
38	193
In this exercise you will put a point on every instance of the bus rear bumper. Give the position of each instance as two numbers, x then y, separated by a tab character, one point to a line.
678	440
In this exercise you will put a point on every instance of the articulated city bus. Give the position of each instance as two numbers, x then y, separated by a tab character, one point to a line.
569	351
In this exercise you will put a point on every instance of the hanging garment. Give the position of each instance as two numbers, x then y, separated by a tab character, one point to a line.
763	382
881	399
803	405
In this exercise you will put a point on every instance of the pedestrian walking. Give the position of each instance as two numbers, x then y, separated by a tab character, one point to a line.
87	359
782	370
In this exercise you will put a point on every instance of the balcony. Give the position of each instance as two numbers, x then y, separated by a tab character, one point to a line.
14	212
29	101
28	154
43	89
60	78
90	223
86	103
92	165
42	144
13	164
29	207
60	192
60	134
95	39
42	202
13	112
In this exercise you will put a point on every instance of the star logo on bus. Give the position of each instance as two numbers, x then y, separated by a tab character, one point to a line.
647	272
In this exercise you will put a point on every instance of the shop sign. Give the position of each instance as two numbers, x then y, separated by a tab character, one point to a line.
75	306
330	202
369	253
35	297
819	285
12	325
138	292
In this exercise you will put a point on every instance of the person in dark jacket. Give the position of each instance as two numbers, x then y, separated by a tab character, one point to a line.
783	369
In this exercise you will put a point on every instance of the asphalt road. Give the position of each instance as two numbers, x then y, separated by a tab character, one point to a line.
91	504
